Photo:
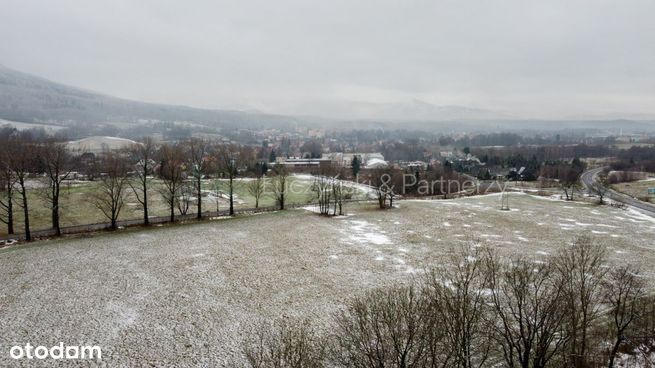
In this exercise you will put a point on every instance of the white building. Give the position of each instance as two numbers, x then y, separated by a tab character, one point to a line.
345	159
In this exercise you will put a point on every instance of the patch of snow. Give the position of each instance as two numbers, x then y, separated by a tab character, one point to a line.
364	232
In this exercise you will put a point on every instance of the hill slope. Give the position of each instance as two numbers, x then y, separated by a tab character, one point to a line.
24	97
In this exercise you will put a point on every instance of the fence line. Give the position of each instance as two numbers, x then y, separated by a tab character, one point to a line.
87	228
100	226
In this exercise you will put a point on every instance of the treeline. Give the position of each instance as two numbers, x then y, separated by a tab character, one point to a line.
635	159
408	145
566	173
525	155
495	149
389	183
571	309
29	163
169	130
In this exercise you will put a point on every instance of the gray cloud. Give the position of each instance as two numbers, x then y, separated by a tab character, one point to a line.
529	58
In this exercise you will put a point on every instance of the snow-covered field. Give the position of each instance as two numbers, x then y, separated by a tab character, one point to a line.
185	295
50	129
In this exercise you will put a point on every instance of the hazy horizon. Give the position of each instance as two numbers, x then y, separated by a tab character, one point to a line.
562	59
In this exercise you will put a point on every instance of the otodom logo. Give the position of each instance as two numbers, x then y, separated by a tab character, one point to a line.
59	351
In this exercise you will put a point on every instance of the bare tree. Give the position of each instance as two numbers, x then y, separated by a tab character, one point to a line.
7	182
380	181
172	174
601	186
642	329
143	156
227	161
338	193
458	295
256	189
56	161
569	177
183	200
623	289
580	266
280	185
395	184
21	161
529	318
216	192
322	187
385	328
568	183
110	197
198	151
284	344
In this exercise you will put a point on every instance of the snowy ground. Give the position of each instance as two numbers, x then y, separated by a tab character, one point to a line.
185	295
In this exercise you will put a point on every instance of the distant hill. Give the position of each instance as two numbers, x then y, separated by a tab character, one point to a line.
412	109
28	98
99	144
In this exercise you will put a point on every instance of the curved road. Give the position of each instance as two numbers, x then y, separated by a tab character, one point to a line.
587	178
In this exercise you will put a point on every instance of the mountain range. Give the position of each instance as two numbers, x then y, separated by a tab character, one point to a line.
28	98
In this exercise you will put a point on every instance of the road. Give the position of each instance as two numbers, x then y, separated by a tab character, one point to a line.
587	178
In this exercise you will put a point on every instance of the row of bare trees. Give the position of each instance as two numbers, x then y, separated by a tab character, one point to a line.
182	166
43	166
573	309
22	157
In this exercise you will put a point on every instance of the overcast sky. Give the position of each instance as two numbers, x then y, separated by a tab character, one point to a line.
526	58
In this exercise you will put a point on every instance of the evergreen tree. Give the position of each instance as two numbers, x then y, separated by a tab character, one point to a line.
356	165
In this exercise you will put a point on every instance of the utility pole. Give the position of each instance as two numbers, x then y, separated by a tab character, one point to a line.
504	198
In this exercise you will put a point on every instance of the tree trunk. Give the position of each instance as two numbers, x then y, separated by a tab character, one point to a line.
231	196
10	209
615	350
146	220
199	199
55	214
26	211
172	206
